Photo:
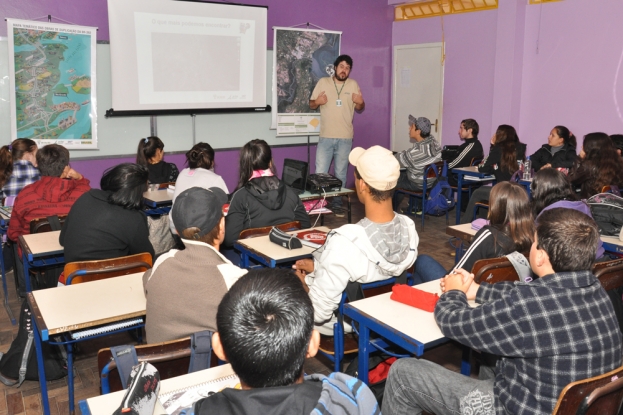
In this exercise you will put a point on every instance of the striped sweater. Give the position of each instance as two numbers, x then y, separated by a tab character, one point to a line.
418	157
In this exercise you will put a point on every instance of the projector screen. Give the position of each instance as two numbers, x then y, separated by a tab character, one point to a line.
186	56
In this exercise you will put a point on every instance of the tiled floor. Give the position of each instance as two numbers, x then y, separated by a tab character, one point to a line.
27	398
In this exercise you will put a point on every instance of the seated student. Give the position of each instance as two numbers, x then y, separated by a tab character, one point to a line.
510	228
108	223
200	173
469	150
425	150
550	189
184	288
506	150
54	194
265	330
18	166
150	154
559	152
599	166
261	199
380	246
550	332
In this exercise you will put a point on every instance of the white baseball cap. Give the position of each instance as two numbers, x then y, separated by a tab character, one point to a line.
377	166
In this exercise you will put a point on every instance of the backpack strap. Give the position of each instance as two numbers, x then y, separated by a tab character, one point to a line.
200	350
125	358
54	222
24	365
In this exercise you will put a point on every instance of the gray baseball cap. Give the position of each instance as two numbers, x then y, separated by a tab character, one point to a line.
421	123
198	208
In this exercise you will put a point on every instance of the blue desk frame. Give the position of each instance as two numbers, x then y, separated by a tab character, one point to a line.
38	260
465	171
246	254
367	345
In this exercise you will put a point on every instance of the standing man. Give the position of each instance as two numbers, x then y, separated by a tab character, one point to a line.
337	97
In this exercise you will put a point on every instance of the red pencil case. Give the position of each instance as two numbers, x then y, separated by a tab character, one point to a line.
416	298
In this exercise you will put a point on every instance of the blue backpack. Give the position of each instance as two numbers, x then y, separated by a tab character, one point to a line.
440	199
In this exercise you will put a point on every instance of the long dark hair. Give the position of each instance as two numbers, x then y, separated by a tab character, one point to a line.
510	213
127	182
602	162
255	155
9	154
147	149
549	186
506	138
566	135
200	156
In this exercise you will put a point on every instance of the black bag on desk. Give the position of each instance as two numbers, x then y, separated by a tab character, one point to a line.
20	362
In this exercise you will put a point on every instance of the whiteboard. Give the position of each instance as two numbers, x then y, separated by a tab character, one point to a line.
119	136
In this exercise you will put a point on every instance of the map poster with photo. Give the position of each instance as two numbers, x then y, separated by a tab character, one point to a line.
52	80
301	57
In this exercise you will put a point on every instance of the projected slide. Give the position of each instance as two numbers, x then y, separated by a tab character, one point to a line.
179	55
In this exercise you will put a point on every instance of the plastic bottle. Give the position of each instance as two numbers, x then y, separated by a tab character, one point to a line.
527	169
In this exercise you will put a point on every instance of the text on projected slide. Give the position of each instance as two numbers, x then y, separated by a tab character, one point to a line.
211	59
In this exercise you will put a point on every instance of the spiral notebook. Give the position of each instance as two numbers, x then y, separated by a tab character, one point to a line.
176	400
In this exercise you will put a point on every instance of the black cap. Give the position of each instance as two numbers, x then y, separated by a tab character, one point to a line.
198	208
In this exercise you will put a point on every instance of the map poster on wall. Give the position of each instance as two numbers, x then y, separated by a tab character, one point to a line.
301	57
52	79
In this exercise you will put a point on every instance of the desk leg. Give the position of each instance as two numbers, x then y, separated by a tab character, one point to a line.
41	368
244	260
349	211
26	272
459	194
4	287
364	352
70	377
466	366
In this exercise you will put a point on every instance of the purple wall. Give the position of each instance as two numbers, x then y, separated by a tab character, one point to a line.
367	32
495	74
469	67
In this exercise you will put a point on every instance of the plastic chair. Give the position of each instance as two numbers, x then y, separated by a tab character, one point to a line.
494	270
171	358
610	275
599	395
336	347
84	271
432	171
265	230
40	225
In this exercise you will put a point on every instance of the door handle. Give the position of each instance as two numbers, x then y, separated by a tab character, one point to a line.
436	122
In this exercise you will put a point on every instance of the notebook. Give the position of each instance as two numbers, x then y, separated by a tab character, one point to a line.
295	174
174	402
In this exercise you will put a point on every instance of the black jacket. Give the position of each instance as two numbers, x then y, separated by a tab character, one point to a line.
565	157
491	165
96	229
162	172
470	149
263	201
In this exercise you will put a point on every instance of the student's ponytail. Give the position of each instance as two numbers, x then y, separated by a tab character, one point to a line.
6	164
147	149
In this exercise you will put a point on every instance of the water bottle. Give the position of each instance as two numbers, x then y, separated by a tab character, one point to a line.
527	169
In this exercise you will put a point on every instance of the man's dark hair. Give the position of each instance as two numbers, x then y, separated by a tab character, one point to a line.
265	322
471	123
548	187
52	160
617	140
377	195
127	182
569	237
343	58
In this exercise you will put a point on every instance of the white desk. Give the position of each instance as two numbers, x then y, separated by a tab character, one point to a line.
107	404
154	198
270	254
408	327
40	250
63	309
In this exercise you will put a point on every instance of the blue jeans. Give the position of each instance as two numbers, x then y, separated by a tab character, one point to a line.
414	385
427	269
336	149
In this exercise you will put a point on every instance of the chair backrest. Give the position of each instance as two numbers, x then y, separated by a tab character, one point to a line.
599	395
84	271
165	185
265	230
494	270
475	161
610	273
40	225
170	358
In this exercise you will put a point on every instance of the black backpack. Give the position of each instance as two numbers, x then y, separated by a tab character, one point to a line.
607	210
20	362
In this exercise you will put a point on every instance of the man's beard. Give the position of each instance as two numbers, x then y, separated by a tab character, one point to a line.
339	78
